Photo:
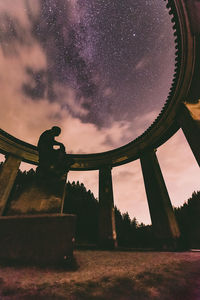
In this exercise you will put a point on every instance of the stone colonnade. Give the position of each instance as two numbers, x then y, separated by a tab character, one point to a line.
161	211
164	223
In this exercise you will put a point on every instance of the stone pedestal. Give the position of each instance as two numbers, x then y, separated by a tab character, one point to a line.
7	178
162	215
107	232
32	232
41	239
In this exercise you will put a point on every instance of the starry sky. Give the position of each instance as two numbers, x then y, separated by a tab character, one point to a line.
99	69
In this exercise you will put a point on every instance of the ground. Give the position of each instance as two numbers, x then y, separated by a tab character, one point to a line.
108	275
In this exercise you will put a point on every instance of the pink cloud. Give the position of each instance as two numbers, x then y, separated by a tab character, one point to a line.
26	119
18	9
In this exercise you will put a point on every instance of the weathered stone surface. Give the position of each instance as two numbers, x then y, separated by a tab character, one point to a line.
37	239
39	197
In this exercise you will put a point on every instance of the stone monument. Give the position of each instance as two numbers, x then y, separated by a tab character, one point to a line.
34	229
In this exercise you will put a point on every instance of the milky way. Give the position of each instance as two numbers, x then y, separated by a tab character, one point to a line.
116	56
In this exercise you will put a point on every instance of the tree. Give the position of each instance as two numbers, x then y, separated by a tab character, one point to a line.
188	218
84	205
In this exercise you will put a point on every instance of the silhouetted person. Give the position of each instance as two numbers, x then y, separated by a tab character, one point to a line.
50	159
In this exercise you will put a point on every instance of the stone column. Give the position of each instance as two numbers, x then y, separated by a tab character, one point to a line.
107	231
7	178
162	215
191	130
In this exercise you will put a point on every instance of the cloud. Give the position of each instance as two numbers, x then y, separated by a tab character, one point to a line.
18	10
26	119
66	96
142	63
107	92
143	121
18	113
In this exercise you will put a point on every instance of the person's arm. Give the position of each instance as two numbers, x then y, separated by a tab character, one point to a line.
59	144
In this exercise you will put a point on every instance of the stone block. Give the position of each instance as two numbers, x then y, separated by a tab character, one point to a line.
38	198
37	239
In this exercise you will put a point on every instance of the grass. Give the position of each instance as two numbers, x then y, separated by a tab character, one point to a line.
105	275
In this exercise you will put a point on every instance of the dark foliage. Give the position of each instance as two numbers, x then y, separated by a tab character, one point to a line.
82	203
23	180
188	217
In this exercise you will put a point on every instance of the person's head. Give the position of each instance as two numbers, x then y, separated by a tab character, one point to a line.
56	130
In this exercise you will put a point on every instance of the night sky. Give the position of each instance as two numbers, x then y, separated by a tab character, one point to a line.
115	57
99	69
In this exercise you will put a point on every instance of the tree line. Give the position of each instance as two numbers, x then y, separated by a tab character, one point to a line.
130	233
188	218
